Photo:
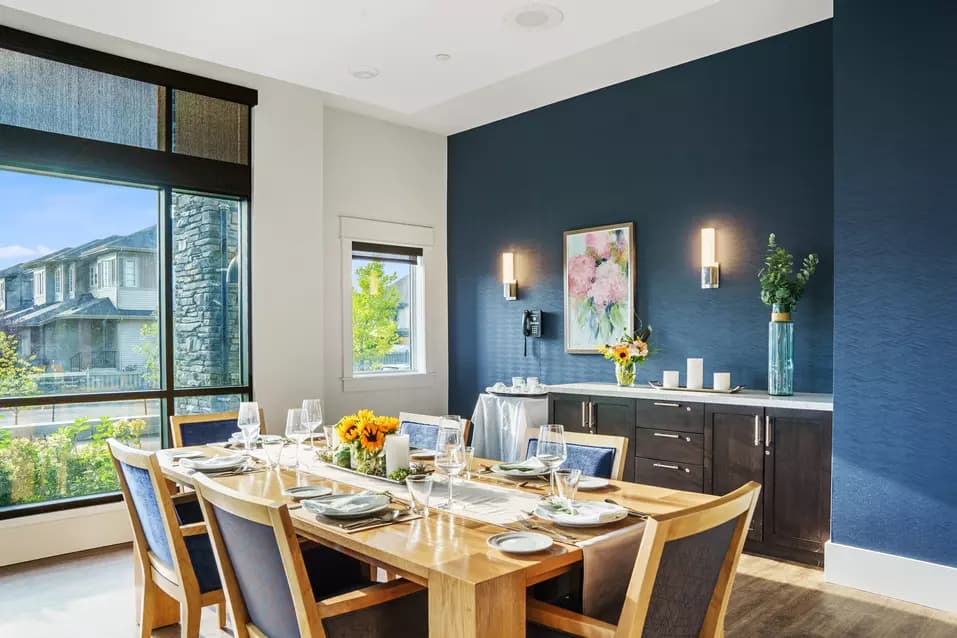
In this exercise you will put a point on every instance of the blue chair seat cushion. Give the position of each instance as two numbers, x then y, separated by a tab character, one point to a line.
203	432
592	460
199	548
421	435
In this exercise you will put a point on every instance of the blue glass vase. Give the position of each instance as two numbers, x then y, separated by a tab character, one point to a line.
781	351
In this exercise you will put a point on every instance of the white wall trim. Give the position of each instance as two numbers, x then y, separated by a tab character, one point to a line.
43	535
914	581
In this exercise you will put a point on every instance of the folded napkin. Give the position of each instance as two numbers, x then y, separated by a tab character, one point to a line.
213	462
345	504
581	512
529	465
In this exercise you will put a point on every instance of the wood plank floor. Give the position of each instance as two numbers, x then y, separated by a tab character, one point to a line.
91	596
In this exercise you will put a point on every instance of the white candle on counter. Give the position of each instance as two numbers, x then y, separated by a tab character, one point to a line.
695	373
396	452
722	381
669	378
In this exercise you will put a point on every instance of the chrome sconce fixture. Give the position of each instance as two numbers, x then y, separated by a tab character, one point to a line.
509	284
710	269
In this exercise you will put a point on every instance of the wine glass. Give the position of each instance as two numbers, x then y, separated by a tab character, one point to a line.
312	415
449	454
551	450
248	423
297	430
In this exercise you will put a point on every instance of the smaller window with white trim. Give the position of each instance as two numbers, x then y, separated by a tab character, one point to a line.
386	331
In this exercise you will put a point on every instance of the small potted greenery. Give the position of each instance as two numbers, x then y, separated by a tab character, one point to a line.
781	288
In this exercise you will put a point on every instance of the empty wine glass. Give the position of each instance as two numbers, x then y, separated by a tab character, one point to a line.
551	450
297	430
312	415
449	454
248	423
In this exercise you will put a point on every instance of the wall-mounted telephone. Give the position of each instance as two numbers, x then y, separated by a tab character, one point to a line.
531	326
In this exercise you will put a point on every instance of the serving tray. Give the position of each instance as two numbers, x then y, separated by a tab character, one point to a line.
657	386
373	476
519	395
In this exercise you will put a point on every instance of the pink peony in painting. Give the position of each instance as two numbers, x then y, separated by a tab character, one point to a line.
599	285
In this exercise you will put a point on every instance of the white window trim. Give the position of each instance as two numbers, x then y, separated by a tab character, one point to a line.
131	263
352	229
71	281
39	287
58	282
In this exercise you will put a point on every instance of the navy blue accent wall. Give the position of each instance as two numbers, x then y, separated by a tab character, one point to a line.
895	226
740	141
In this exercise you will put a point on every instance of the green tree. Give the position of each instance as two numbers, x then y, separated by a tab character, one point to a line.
16	373
149	349
374	311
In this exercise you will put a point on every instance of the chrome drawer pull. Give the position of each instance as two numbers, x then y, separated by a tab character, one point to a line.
662	404
666	467
757	430
667	436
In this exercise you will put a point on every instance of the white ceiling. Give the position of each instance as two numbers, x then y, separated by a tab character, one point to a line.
496	69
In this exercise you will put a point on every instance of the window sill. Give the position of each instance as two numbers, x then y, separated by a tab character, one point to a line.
388	381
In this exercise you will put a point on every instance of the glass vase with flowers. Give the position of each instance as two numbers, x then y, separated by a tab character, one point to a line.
362	440
627	353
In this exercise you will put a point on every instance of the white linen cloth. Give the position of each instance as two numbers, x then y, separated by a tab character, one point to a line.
499	425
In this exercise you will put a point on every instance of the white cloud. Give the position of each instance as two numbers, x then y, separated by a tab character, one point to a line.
21	252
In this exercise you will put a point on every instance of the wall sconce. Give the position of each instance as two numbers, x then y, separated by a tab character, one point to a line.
710	270
509	284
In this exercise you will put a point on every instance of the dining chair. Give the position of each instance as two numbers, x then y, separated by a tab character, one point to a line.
598	455
171	545
272	591
200	429
681	581
423	429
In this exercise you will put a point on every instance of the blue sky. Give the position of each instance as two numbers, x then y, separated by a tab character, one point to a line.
40	214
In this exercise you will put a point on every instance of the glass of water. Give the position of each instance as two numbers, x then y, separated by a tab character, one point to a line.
272	448
297	430
469	457
420	490
567	483
248	423
551	450
312	415
450	455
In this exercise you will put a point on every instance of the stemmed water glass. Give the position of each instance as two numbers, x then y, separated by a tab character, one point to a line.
450	454
297	430
551	450
248	423
312	415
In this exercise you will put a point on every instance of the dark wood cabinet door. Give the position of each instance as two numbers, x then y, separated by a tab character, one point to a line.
616	417
737	453
797	496
570	410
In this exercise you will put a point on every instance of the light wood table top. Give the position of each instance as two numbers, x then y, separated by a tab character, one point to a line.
474	590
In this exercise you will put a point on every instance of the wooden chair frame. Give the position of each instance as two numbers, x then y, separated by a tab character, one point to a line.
739	505
309	612
428	419
619	443
176	422
178	582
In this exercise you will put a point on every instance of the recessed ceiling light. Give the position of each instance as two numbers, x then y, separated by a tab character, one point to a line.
364	72
443	57
536	16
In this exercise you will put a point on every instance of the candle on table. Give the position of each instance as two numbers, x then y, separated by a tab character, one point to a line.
396	452
722	381
695	373
669	378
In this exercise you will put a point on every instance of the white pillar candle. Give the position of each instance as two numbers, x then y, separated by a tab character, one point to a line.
396	452
722	381
669	378
695	373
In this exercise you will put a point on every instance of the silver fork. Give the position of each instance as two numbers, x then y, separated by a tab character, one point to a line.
565	538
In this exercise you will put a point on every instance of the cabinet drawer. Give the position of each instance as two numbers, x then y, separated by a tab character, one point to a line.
667	414
676	476
681	447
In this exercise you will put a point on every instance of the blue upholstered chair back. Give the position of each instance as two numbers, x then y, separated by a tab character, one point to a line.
203	432
254	554
148	511
592	460
421	435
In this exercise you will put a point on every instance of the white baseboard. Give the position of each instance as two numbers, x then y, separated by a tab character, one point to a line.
914	581
63	532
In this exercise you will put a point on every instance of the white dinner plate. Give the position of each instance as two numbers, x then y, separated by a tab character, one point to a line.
182	454
214	463
519	542
360	505
497	469
592	483
588	514
307	491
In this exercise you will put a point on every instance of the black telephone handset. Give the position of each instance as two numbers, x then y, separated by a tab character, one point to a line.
531	325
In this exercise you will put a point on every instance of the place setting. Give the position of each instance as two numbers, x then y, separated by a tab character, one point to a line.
358	512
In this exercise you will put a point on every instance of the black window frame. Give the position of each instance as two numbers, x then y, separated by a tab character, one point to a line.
67	156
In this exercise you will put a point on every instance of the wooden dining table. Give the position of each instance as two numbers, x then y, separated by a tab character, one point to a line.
474	591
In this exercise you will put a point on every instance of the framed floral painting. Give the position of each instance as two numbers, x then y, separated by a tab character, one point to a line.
599	286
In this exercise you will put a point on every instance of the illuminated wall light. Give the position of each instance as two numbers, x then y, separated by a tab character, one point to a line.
710	270
509	284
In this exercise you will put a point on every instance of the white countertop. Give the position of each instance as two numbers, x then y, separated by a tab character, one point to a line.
798	401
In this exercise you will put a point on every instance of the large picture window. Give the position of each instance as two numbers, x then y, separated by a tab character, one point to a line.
124	203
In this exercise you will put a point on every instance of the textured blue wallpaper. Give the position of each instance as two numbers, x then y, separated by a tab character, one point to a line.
740	141
895	221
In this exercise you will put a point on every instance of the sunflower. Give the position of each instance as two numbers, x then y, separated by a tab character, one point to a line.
387	424
622	354
371	437
348	429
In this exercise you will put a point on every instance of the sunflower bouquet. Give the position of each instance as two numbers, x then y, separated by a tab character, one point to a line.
362	437
629	351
